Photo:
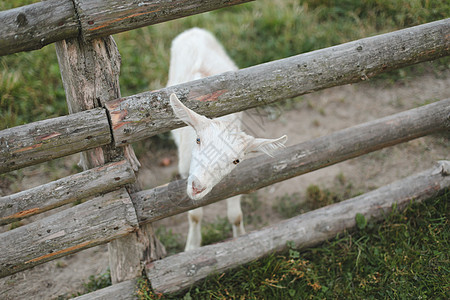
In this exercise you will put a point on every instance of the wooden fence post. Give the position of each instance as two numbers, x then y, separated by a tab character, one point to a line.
90	73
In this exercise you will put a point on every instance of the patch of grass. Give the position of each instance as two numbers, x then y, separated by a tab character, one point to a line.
290	205
170	240
404	256
60	264
97	282
250	204
15	224
216	231
144	291
317	197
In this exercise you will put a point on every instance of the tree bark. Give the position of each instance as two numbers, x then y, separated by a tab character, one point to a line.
90	72
179	271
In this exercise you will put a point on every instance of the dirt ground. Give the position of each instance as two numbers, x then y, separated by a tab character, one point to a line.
318	114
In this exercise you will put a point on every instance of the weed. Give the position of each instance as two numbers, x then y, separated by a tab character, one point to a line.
144	291
340	178
97	282
317	197
216	231
361	221
289	206
316	123
250	205
15	224
61	264
171	241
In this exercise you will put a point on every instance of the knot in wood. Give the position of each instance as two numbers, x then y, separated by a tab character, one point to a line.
191	270
21	20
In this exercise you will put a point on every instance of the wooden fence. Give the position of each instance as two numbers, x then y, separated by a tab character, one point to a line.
102	124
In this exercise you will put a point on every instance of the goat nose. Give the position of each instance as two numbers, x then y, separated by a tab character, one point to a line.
196	188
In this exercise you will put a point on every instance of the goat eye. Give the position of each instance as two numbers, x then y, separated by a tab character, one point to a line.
236	161
198	141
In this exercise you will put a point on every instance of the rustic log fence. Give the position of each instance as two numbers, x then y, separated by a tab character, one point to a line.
101	121
33	26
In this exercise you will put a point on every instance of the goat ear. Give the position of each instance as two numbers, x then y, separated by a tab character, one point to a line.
267	146
185	114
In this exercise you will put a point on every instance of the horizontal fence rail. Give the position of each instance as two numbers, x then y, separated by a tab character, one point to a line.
33	26
125	290
179	271
36	25
45	140
140	116
79	186
94	222
100	18
261	171
137	117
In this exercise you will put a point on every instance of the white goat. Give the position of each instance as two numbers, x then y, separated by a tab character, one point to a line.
208	149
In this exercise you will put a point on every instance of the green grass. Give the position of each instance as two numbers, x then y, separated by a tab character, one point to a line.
290	205
212	232
253	33
97	282
93	283
171	241
404	256
216	231
250	205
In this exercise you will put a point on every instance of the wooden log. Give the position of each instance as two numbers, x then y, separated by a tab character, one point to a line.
261	171
129	254
45	140
100	18
33	26
90	72
65	190
94	222
126	290
180	271
140	116
36	25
